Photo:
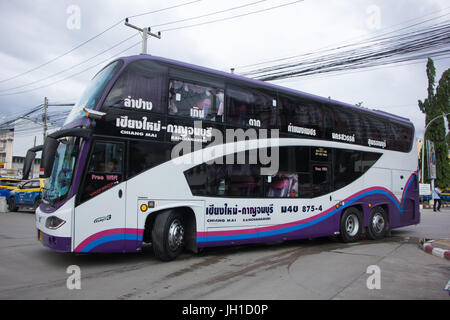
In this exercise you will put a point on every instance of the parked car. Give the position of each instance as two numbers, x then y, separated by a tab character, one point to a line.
7	185
446	195
28	194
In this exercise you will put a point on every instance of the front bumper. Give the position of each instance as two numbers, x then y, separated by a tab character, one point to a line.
59	244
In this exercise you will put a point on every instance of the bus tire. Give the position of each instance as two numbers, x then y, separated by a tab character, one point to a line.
351	225
168	235
12	204
378	224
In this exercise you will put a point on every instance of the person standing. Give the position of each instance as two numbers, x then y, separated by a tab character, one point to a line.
437	198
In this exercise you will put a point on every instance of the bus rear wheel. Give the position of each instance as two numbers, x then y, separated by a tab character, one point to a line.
351	226
378	224
168	235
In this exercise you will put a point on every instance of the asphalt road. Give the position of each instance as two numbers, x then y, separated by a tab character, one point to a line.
323	268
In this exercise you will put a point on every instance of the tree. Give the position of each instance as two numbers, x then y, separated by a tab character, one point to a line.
437	103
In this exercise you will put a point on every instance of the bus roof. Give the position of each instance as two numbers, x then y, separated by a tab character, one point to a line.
263	84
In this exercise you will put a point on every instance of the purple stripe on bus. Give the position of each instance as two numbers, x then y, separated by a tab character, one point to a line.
59	244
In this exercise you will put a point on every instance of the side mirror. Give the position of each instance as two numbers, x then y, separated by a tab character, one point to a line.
51	145
48	156
28	162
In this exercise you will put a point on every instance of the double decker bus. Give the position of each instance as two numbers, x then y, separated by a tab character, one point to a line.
184	157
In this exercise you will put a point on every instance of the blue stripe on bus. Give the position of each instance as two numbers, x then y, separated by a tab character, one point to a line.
110	238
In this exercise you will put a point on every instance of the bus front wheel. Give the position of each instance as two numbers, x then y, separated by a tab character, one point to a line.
351	226
168	235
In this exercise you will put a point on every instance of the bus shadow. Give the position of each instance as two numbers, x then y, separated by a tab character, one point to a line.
146	256
311	246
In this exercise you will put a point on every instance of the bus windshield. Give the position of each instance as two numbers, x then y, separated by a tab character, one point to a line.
58	184
93	91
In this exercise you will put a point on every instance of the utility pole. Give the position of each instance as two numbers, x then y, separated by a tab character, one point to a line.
145	33
45	114
44	117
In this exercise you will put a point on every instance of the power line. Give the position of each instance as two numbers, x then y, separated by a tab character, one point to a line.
368	69
62	55
351	41
209	14
73	75
121	42
232	17
90	39
164	9
172	22
70	68
387	49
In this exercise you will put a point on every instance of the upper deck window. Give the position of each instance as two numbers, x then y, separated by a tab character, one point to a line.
301	117
195	101
251	107
141	87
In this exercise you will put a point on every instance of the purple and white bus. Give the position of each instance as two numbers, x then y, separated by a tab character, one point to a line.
322	167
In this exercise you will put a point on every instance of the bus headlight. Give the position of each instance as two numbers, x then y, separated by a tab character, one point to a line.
54	222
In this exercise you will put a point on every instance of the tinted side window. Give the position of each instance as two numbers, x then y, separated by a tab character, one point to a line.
145	155
374	132
401	136
140	87
320	170
251	107
347	127
347	167
292	179
369	159
301	117
244	180
320	154
207	180
320	180
304	172
105	169
196	101
233	180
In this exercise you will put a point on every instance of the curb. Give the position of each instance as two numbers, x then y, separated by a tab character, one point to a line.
430	206
427	246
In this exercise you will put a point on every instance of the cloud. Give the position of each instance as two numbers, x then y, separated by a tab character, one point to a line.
37	32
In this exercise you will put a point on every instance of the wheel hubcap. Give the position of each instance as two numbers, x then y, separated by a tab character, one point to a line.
352	225
378	223
176	235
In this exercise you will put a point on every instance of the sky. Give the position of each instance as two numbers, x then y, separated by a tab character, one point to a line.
36	33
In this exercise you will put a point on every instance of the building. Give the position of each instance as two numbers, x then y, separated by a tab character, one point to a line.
6	151
14	143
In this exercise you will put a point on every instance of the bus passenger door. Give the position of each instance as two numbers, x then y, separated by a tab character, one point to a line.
99	223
